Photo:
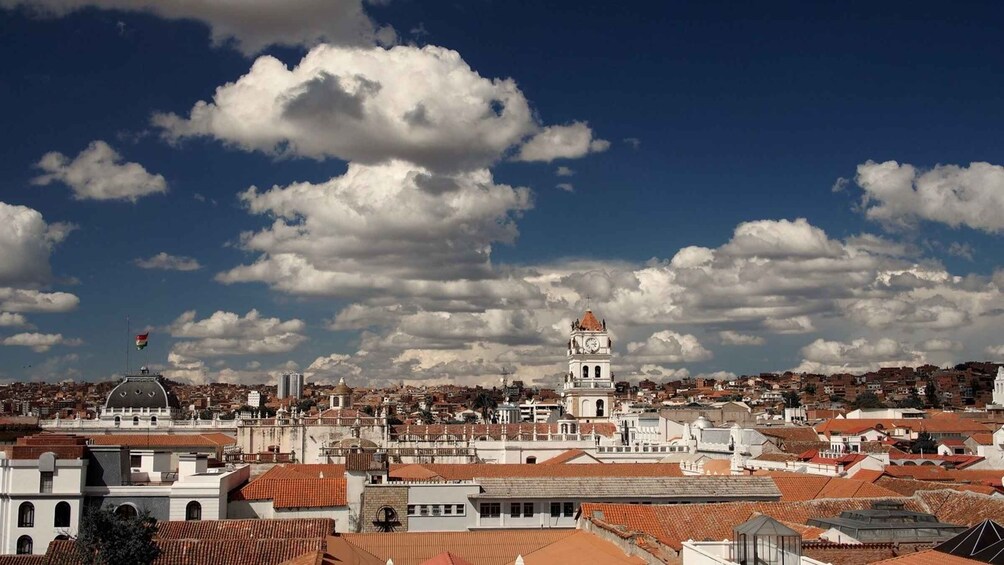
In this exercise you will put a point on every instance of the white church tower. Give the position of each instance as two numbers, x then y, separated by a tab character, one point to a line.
588	390
999	387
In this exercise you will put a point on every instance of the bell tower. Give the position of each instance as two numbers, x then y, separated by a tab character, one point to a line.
588	390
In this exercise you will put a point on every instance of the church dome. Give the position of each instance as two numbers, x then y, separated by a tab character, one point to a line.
702	423
341	388
141	392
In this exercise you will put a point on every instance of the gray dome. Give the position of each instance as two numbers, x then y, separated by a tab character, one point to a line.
141	392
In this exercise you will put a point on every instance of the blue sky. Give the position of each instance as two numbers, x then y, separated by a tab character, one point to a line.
743	188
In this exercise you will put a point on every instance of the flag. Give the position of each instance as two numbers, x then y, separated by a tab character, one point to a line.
141	340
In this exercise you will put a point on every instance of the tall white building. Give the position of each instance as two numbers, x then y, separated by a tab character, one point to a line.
290	385
588	390
254	399
999	387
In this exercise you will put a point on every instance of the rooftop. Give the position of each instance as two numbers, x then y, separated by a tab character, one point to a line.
599	487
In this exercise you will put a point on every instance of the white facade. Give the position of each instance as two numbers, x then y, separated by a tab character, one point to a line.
588	390
31	490
254	399
538	412
999	387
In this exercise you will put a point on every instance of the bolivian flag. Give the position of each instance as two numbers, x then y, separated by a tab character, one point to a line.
141	340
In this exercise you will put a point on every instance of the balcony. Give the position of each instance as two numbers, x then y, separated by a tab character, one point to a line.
587	385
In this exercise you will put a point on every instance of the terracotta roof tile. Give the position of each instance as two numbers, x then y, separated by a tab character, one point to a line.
455	432
214	441
566	456
298	486
590	323
928	557
246	529
486	547
909	487
463	471
446	558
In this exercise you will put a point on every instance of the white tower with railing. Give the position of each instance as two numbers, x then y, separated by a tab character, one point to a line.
588	390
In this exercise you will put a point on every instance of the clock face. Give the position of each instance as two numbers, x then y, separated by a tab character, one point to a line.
592	344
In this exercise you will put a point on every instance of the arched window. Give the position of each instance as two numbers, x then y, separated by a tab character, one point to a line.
599	408
26	515
153	420
126	511
118	421
598	371
193	511
24	545
585	371
135	420
62	519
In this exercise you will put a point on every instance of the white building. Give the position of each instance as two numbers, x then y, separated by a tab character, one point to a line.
538	412
588	390
254	399
290	385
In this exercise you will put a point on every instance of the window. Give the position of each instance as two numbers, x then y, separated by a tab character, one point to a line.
135	460
530	460
24	545
62	519
193	511
569	509
585	371
528	509
118	421
460	510
153	419
599	408
437	510
423	510
126	511
514	509
26	515
448	509
45	481
555	509
412	510
598	372
135	420
491	509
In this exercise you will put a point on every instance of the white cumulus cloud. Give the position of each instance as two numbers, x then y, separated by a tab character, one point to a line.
166	262
228	333
98	173
250	25
38	342
857	356
562	142
732	337
901	195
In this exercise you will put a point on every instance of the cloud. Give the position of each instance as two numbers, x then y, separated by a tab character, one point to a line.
900	196
940	344
857	356
732	337
28	300
249	25
995	351
963	250
567	187
26	241
422	105
379	229
564	171
634	142
38	342
98	173
12	320
668	347
167	262
562	142
228	333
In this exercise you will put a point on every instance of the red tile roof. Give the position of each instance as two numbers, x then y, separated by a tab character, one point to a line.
590	323
213	441
245	529
298	486
928	557
463	471
446	558
566	456
473	432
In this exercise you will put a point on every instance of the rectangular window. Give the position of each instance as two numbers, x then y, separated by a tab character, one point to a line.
460	510
423	510
569	509
514	509
135	460
555	509
448	509
45	482
411	510
528	509
437	510
491	509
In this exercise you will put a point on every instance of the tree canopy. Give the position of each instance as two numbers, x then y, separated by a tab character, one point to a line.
107	537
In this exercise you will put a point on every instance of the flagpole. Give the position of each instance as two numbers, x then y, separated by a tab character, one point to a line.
128	333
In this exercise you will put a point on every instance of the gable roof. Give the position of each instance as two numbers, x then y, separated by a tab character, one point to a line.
245	529
465	471
570	455
298	486
485	547
139	441
797	486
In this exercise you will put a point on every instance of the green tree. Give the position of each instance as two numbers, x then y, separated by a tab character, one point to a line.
107	538
912	401
791	399
810	389
427	416
484	402
931	394
867	399
924	444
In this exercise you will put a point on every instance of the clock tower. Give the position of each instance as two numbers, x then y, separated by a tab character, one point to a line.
588	390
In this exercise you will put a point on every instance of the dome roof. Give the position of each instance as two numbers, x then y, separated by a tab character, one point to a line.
141	392
356	442
342	388
702	422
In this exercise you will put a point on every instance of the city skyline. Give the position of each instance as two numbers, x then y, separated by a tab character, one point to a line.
429	193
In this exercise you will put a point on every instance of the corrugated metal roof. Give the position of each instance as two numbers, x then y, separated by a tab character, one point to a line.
698	487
